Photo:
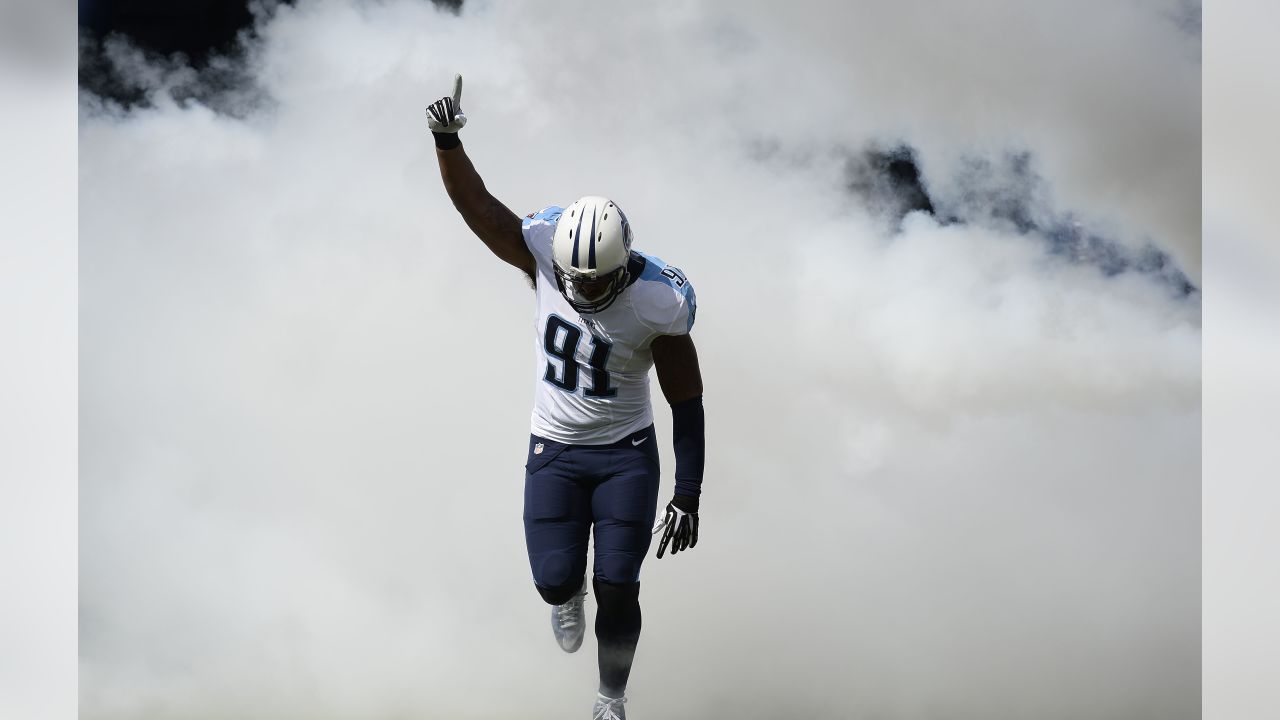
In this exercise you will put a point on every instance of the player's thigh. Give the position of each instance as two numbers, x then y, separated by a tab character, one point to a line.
624	507
557	515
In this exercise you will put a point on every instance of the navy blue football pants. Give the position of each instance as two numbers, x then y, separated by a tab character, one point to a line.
568	490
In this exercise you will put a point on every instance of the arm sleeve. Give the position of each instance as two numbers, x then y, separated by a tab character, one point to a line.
687	423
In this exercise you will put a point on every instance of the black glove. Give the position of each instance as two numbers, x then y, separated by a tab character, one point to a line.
445	117
680	523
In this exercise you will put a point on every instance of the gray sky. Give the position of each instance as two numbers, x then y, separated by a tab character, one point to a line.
950	473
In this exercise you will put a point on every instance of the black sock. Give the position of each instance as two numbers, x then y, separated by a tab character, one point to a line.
617	632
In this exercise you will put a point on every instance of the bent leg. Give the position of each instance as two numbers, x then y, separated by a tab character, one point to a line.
557	522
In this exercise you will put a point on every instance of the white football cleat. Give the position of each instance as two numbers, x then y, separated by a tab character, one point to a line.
608	708
569	621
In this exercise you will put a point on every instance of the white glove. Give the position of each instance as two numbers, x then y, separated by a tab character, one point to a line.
445	115
679	527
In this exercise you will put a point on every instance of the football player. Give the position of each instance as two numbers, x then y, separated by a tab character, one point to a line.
606	314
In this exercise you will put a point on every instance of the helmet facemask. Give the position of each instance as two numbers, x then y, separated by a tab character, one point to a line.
591	293
590	251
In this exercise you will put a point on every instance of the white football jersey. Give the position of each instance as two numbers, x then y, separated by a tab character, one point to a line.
591	373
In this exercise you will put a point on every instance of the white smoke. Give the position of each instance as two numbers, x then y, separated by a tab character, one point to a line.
949	472
37	363
1242	348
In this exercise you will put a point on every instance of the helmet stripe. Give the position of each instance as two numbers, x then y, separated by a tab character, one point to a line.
577	236
591	249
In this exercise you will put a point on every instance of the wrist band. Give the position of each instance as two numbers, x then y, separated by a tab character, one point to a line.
447	141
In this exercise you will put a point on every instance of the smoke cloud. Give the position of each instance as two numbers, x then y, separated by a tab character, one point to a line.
953	452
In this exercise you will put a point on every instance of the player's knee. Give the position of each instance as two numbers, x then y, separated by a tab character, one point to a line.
559	576
555	568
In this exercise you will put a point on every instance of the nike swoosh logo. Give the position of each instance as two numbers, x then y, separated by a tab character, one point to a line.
637	443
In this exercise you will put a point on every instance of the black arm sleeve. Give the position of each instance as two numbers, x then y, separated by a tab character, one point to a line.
690	445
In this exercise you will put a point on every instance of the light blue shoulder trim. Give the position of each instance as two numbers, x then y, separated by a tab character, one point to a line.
657	270
653	266
549	214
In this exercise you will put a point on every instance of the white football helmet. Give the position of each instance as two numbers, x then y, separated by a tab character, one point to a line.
590	250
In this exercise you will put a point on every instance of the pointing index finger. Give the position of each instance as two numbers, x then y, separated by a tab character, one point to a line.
457	90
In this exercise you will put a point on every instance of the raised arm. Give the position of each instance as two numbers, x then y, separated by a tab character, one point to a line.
487	217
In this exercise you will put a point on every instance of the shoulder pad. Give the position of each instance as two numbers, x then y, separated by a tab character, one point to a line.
664	298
